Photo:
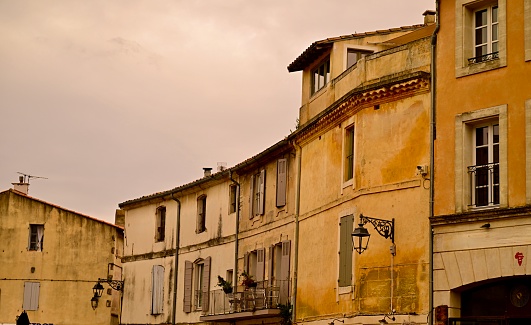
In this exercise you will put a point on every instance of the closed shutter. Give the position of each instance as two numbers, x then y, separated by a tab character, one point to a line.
271	264
187	303
252	195
260	264
205	284
282	173
31	295
284	271
345	251
157	293
261	195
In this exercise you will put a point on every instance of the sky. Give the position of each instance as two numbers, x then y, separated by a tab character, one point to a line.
113	100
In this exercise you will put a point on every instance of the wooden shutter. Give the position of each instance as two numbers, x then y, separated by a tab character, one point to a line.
205	284
345	251
261	195
251	198
260	264
282	173
31	295
157	289
284	272
187	303
271	264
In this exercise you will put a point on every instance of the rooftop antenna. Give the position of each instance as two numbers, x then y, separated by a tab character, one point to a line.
26	177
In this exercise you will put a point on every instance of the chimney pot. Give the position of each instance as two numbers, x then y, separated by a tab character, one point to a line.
207	171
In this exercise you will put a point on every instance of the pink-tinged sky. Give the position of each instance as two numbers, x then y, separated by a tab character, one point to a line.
113	100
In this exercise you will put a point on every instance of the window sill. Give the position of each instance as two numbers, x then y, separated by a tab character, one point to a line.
484	66
345	290
348	183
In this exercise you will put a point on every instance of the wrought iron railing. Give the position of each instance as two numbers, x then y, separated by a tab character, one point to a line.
484	57
265	295
484	184
478	321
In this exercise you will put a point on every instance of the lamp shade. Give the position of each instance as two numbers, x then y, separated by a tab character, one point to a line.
94	302
98	290
360	238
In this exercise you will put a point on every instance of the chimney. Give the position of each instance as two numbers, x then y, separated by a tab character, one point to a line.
222	166
119	218
21	186
429	17
207	171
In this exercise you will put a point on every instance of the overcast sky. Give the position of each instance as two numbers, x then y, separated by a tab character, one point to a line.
113	100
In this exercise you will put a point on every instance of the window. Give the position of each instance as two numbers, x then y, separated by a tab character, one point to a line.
282	173
196	284
353	56
485	173
31	295
160	224
485	35
480	36
279	264
320	76
481	159
255	264
257	196
349	154
233	197
201	214
36	238
157	289
345	251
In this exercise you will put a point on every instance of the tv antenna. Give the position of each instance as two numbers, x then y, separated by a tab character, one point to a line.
25	178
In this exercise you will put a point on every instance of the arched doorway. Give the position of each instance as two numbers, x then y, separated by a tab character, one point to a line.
504	301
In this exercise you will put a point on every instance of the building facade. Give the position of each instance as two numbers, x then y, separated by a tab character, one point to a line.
482	221
51	258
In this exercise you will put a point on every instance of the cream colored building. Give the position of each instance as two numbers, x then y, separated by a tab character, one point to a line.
363	148
482	215
51	258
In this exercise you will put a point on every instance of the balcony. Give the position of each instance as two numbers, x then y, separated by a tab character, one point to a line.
247	303
484	58
485	185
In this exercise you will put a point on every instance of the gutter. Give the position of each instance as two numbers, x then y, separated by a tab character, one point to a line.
235	272
433	136
177	244
297	212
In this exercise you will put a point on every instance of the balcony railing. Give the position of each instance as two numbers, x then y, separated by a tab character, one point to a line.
484	57
484	184
478	321
264	296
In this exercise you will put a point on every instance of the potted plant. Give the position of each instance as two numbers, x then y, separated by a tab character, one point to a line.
248	281
225	285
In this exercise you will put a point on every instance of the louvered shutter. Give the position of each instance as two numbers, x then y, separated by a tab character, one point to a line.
261	195
284	271
31	295
345	251
157	289
205	289
260	264
187	303
282	172
251	198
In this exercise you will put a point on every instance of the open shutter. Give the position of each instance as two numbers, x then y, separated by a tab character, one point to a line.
260	264
187	303
284	272
205	289
251	198
345	251
261	195
271	264
157	289
31	295
282	172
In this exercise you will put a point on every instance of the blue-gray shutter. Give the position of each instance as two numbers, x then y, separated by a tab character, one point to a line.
187	303
31	295
282	172
345	251
284	272
205	289
251	198
261	189
157	289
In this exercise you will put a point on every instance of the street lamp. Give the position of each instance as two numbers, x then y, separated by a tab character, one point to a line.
361	236
94	302
98	290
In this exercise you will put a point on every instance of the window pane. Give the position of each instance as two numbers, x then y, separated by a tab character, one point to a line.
352	58
481	18
482	156
495	14
481	35
494	32
327	70
482	136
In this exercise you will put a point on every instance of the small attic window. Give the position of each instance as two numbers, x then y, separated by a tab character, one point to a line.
321	75
353	55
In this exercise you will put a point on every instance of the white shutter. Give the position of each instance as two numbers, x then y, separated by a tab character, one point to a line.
31	295
282	172
205	289
261	195
157	293
187	303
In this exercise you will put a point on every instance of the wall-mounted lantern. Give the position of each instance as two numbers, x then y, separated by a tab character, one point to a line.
361	236
98	290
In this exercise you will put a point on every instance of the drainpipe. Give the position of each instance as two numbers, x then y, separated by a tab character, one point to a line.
177	244
297	211
433	136
235	273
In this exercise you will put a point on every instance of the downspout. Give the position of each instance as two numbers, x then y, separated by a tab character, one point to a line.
177	244
235	272
297	211
433	136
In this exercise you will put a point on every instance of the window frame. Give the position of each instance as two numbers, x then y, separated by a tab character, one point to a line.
160	224
361	53
233	197
282	177
465	125
201	214
36	245
465	37
325	65
257	194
